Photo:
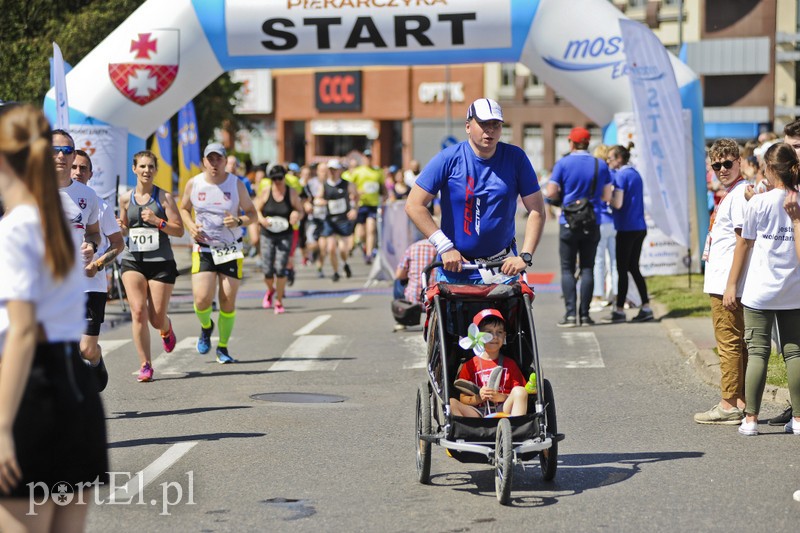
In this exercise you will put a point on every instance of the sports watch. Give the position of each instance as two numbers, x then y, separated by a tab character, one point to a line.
528	258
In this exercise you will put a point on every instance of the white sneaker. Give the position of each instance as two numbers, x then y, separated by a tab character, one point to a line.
748	429
793	426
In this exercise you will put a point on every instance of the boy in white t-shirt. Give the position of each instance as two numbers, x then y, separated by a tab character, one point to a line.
724	231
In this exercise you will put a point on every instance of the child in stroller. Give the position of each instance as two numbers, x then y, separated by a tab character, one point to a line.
490	384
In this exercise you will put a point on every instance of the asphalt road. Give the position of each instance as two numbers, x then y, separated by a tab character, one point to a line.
204	455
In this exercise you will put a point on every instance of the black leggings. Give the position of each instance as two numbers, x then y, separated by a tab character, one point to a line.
629	248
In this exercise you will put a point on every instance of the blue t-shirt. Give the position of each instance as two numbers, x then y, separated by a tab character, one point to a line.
479	196
629	217
574	174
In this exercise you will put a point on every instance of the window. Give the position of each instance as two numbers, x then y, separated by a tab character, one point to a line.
507	80
533	144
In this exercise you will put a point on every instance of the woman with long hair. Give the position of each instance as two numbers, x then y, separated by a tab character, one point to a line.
149	217
52	426
771	291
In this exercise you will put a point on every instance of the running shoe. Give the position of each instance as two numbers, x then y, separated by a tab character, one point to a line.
567	322
145	373
616	317
223	357
290	276
204	340
169	339
279	310
782	418
266	303
336	276
347	271
793	427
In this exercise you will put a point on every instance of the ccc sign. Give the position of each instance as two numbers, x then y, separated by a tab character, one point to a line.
338	91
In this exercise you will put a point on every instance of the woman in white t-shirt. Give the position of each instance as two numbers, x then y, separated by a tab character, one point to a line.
52	426
771	287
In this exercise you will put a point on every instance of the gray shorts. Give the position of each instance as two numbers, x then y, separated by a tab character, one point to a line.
275	254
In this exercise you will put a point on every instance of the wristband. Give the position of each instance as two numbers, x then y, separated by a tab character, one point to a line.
239	221
99	265
441	242
162	224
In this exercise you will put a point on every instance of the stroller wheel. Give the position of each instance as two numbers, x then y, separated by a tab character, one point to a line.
548	459
423	427
503	462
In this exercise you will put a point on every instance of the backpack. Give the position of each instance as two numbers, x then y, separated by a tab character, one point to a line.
580	213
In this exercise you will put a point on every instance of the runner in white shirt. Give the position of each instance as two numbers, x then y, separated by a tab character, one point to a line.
771	285
216	198
97	294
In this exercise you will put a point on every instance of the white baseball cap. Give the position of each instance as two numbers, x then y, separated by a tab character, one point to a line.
334	164
484	109
214	148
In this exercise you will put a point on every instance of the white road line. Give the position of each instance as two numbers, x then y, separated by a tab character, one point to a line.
143	478
112	345
582	351
352	298
304	353
416	345
311	326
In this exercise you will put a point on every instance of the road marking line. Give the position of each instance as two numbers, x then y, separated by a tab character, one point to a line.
352	298
143	478
112	345
582	349
416	345
311	326
304	353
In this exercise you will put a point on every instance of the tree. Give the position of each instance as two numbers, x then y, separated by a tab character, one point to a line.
78	26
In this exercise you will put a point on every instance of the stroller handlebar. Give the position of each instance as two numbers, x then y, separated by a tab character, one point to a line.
465	266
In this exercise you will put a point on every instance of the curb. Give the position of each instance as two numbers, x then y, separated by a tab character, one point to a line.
706	363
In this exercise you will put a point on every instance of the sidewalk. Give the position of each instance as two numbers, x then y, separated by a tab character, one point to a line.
694	336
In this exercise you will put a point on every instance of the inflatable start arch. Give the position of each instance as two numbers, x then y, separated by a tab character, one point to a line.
165	53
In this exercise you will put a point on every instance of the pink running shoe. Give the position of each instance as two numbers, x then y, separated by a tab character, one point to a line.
169	339
145	373
279	310
266	303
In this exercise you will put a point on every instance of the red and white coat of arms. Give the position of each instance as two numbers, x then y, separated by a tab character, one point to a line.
146	70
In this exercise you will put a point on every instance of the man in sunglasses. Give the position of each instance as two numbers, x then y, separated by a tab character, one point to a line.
725	229
80	202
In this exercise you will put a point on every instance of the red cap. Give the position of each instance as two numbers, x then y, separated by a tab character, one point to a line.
579	135
480	315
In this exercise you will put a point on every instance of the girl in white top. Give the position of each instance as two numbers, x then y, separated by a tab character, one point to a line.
52	426
771	287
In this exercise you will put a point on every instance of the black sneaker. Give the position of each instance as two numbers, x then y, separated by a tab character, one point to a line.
347	272
567	322
587	321
336	276
779	420
290	276
643	316
616	317
101	375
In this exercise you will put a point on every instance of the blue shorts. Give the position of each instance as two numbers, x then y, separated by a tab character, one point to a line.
365	212
343	228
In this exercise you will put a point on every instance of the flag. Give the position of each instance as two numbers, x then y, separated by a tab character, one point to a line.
162	148
660	129
60	83
188	146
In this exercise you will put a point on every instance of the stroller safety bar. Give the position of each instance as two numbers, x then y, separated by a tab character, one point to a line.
530	445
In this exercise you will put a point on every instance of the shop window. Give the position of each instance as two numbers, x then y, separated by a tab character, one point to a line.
533	144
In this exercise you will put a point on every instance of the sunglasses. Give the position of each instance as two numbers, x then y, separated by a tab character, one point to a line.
66	150
727	164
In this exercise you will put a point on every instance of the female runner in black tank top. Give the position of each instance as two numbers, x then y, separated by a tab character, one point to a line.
149	216
279	209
